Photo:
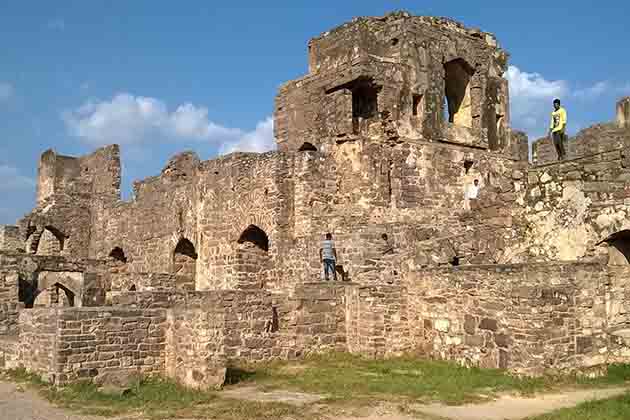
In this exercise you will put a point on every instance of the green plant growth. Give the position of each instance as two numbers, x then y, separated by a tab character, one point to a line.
347	377
611	409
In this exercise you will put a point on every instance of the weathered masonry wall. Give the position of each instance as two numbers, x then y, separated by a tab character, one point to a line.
599	138
571	206
623	113
376	319
37	342
526	318
10	239
391	76
65	345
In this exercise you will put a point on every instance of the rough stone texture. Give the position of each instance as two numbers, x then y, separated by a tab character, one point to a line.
623	113
599	138
65	345
528	318
572	206
216	261
393	78
10	239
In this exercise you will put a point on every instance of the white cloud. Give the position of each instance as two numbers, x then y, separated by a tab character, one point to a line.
533	85
531	97
128	119
259	140
11	180
6	91
56	24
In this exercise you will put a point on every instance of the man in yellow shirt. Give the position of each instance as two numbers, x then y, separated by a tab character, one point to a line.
558	127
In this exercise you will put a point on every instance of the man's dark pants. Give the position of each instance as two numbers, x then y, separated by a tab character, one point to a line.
558	142
329	268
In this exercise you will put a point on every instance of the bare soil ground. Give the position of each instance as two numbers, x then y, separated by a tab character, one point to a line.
18	402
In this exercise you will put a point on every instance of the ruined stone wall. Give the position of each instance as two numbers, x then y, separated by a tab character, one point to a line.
244	203
122	282
93	340
396	65
96	175
599	138
65	345
46	281
37	342
10	239
69	189
148	228
526	318
196	338
414	193
376	319
572	206
623	113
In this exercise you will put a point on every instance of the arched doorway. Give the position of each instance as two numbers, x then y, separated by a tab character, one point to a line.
618	247
255	236
457	75
185	259
51	242
252	257
307	147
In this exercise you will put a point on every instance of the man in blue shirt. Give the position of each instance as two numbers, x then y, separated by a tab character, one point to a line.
328	256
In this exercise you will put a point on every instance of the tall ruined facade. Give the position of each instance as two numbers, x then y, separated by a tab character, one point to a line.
378	144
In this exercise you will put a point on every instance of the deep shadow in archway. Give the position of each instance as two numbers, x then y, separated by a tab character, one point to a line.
256	236
118	254
618	247
307	147
185	258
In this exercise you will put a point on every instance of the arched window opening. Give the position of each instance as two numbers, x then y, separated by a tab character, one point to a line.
62	296
307	147
185	258
118	254
51	242
457	92
618	247
132	288
256	236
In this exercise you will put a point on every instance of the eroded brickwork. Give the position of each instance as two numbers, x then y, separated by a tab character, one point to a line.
398	143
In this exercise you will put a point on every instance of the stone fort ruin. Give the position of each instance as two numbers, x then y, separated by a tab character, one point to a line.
217	261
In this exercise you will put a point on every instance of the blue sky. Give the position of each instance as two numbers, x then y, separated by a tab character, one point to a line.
160	77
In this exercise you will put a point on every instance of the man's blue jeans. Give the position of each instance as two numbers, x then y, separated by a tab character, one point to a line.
329	269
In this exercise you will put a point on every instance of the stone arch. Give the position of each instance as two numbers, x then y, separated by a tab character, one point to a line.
252	258
185	258
618	247
51	242
58	289
118	254
256	236
307	147
457	91
63	296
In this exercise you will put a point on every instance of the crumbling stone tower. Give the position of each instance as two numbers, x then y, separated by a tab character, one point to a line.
410	76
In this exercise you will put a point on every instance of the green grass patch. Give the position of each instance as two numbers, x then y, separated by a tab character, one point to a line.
155	398
346	377
617	408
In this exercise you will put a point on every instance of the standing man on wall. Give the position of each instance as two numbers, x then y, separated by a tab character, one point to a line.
558	127
328	256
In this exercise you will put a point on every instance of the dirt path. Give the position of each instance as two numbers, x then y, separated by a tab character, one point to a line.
514	408
20	403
